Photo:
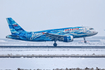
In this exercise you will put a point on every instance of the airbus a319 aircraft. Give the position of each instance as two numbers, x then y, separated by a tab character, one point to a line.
61	34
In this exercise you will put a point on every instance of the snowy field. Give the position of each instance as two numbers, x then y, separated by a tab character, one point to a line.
51	63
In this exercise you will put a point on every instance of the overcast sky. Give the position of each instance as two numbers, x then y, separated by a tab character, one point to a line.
36	15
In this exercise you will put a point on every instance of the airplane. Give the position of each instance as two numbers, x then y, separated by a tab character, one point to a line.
61	34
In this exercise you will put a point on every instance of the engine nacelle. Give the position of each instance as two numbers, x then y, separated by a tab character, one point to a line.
68	39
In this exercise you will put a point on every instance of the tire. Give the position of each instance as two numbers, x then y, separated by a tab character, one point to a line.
55	44
85	41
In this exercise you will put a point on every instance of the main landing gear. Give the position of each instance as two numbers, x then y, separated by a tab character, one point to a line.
55	44
85	40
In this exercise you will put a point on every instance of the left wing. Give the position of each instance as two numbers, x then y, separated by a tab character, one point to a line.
55	37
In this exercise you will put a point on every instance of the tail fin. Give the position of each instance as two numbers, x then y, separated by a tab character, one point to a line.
14	27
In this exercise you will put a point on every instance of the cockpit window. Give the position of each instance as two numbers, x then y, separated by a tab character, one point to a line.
91	29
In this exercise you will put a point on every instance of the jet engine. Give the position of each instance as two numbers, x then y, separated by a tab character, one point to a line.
68	39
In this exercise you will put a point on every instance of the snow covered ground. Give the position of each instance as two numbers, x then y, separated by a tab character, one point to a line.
51	63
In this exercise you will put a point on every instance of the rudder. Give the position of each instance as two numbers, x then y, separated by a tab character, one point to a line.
14	27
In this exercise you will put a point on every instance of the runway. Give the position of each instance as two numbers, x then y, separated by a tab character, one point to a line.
53	47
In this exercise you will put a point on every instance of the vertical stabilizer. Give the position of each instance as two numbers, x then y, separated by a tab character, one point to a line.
14	27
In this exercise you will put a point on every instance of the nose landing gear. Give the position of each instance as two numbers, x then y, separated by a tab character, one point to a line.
85	40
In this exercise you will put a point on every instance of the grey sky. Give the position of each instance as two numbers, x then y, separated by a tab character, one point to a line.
36	15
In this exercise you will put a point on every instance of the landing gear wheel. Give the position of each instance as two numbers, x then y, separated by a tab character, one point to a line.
55	44
85	40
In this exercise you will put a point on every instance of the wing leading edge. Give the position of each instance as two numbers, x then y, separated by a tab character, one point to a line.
55	37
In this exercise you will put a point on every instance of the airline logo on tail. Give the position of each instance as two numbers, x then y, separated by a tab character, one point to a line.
15	25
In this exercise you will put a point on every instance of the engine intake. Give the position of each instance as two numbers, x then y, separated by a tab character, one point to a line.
68	38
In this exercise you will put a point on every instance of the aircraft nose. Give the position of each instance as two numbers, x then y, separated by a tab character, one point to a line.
95	32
